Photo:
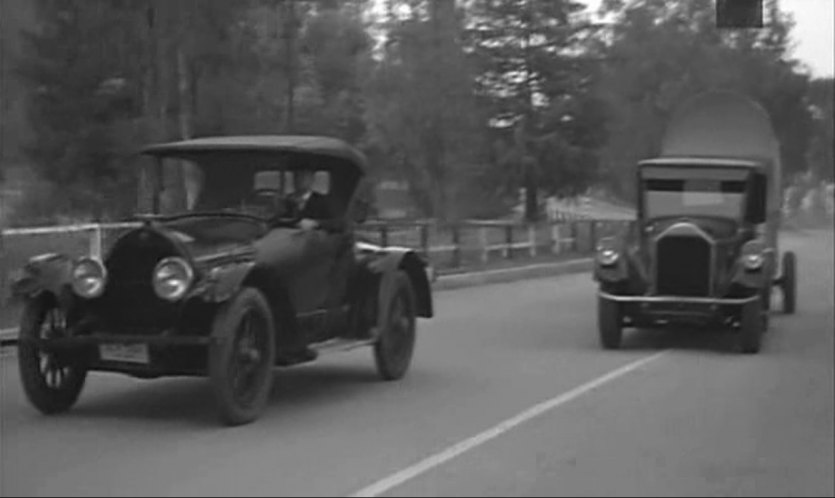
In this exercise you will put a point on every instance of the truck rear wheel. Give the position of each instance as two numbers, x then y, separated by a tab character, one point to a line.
609	323
788	282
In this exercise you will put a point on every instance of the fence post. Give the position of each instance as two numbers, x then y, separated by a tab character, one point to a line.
574	232
485	244
95	241
532	239
4	271
456	243
508	240
384	235
424	239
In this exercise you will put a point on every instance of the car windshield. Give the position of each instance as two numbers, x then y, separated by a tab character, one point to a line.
256	190
693	197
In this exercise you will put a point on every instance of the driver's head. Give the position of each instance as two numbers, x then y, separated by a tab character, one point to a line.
303	181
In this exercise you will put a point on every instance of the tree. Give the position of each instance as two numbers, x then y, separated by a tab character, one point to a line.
534	69
660	53
422	113
821	160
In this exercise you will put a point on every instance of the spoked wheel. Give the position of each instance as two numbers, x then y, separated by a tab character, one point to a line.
393	350
52	380
241	363
788	282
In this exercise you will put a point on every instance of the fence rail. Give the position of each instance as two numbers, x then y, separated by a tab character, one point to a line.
468	244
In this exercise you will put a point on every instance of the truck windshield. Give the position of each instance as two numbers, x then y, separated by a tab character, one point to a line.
694	197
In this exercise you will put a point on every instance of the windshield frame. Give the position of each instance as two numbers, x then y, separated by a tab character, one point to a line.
693	172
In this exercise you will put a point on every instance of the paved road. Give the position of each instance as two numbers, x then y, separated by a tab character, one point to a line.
694	420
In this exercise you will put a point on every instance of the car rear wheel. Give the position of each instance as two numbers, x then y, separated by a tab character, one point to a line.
241	361
752	326
52	380
788	282
394	349
609	323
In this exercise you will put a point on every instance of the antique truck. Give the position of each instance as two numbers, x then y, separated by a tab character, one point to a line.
703	251
229	287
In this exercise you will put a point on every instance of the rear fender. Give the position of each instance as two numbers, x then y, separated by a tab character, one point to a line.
386	264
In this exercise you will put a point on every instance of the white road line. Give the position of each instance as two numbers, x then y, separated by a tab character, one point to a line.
448	454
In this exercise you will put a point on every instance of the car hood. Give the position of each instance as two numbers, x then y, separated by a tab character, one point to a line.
208	237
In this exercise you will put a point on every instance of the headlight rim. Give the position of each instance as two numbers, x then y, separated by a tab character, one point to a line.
103	277
189	280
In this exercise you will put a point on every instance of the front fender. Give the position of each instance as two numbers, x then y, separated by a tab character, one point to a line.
50	273
223	281
385	263
756	279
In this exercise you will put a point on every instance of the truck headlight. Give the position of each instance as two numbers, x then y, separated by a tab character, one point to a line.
753	255
89	277
172	278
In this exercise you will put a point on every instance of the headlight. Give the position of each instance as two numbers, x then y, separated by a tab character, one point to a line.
89	276
753	255
172	278
608	257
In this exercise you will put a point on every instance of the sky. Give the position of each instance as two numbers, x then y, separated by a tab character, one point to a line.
814	33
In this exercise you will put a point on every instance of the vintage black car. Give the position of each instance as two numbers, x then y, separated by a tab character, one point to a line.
229	287
704	249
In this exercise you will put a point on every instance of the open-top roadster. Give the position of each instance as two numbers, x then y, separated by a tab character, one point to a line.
228	288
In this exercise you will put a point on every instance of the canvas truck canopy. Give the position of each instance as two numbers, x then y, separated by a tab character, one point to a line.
723	128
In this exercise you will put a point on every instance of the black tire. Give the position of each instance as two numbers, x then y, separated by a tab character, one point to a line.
766	296
609	323
241	362
752	326
788	282
394	348
52	382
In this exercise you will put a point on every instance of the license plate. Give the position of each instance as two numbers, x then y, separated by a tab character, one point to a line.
129	353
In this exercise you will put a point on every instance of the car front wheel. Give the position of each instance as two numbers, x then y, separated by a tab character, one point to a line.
52	380
241	359
752	326
395	346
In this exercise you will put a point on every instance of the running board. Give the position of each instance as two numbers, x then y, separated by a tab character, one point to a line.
340	345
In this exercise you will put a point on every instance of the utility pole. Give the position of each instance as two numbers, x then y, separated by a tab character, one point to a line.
528	162
289	38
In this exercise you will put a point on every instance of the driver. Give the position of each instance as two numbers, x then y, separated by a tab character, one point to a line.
312	209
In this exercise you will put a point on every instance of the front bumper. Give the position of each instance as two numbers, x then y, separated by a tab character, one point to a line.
163	354
678	300
650	311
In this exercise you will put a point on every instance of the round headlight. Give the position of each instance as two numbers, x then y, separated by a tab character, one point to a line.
172	278
753	255
753	261
89	276
607	256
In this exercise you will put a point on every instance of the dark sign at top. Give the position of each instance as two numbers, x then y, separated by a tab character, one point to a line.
739	13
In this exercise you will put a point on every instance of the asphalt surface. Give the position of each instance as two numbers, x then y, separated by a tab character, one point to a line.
694	418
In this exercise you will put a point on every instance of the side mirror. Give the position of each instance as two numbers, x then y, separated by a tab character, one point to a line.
756	208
